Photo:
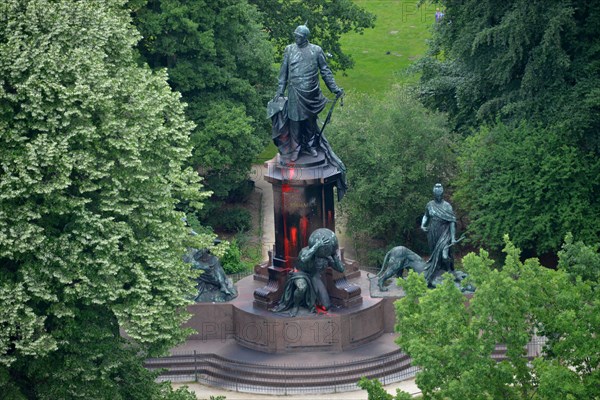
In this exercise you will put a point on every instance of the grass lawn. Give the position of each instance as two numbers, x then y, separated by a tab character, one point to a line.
383	54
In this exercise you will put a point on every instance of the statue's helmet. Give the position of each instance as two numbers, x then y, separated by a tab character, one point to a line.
303	31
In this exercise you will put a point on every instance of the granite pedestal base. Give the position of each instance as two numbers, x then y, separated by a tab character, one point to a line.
337	330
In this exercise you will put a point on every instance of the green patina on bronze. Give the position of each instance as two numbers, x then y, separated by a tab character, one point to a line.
304	286
439	222
212	283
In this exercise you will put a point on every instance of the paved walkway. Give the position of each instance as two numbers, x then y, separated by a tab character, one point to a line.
268	220
268	240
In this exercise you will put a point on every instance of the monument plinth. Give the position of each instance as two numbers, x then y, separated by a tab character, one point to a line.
303	201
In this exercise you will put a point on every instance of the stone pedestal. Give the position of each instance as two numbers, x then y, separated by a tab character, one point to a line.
303	201
255	328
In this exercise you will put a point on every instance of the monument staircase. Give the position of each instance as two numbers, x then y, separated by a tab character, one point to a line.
292	376
325	377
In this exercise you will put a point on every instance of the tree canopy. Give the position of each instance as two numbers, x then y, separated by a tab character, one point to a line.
91	168
453	342
530	181
523	79
515	59
395	151
221	61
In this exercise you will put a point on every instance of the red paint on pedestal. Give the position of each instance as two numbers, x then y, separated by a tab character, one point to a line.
304	230
321	310
294	238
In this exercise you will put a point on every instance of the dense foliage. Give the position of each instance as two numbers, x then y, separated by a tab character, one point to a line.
376	391
518	60
230	220
533	66
529	181
453	342
395	151
221	61
327	20
91	153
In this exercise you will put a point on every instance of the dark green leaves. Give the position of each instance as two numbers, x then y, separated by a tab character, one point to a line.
219	58
395	151
531	182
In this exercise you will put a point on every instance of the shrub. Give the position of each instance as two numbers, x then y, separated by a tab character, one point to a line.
230	220
232	260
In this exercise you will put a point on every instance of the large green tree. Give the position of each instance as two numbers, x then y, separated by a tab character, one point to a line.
517	59
221	61
533	182
91	153
395	151
453	342
327	20
525	76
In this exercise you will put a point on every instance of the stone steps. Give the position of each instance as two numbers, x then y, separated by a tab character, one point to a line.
296	377
222	372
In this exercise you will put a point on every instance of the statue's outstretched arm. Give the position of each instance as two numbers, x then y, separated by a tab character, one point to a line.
424	221
453	231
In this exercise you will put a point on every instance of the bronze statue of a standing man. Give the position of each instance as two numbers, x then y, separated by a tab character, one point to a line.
302	63
439	222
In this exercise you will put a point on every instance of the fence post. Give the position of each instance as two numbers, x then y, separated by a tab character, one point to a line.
335	381
195	367
284	380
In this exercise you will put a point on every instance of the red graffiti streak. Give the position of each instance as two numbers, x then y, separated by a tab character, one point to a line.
294	238
286	243
321	310
304	231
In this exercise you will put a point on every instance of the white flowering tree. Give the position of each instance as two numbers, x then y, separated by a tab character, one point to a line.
91	153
